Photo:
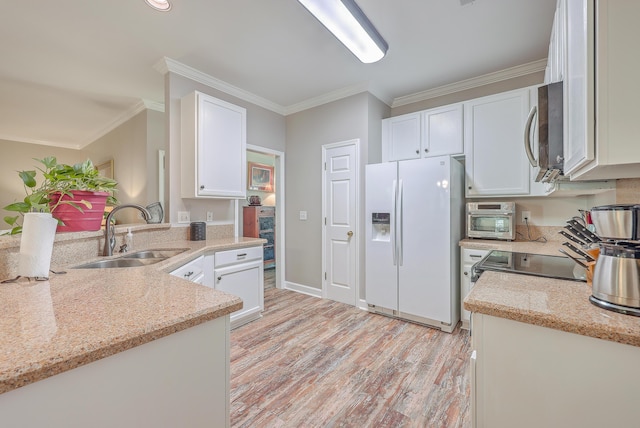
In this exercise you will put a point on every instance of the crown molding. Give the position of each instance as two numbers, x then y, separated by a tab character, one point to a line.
117	121
474	82
41	142
153	105
166	65
327	98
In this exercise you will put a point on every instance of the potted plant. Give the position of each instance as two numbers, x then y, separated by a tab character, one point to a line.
75	195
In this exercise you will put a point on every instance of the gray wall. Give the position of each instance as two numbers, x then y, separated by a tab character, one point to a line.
19	156
355	117
469	94
264	128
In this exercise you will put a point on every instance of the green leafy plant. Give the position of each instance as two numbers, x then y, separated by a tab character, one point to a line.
59	179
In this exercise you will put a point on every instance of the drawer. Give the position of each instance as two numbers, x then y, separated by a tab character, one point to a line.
192	271
472	255
266	211
223	258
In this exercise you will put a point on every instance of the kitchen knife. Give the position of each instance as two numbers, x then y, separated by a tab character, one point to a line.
577	250
573	238
577	234
578	261
586	232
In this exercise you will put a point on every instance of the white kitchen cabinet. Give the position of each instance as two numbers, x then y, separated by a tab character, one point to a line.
556	59
178	380
193	271
442	131
433	132
213	148
529	376
601	121
240	272
468	257
496	163
401	137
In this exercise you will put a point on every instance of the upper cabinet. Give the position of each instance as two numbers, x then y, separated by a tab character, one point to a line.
433	132
495	159
600	80
213	141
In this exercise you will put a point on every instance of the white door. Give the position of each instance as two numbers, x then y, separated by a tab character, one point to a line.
340	239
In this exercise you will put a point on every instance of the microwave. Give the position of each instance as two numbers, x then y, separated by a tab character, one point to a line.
550	134
491	220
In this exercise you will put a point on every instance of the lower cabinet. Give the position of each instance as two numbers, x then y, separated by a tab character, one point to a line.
528	376
240	272
468	257
178	380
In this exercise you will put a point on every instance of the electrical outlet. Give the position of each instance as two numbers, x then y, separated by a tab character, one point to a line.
303	215
526	216
209	216
184	216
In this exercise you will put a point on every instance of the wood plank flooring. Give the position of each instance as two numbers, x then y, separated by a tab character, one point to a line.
311	362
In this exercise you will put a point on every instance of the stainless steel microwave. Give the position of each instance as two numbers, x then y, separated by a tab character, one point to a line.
491	220
550	133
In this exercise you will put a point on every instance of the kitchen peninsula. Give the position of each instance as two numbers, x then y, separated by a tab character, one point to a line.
545	356
117	347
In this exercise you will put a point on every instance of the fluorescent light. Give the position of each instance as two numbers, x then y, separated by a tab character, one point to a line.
161	5
351	26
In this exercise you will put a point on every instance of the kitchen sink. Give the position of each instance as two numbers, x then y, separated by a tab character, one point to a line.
137	259
154	254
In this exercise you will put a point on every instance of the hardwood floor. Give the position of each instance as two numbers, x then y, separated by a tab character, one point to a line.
311	362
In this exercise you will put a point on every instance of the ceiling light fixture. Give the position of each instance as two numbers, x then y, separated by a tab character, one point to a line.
351	26
161	5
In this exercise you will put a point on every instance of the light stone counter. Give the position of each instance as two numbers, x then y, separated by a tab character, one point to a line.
546	302
76	318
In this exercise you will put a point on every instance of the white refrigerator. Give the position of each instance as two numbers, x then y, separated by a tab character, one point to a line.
414	213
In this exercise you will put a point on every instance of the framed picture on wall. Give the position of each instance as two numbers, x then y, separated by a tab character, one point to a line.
260	177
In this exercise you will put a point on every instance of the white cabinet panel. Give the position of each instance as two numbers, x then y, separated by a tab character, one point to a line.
240	272
442	131
213	140
401	137
468	257
496	163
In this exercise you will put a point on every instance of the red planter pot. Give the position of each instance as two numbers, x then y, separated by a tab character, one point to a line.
89	219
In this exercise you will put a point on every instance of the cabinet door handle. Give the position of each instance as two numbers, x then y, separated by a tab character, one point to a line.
466	273
219	278
426	150
202	187
527	138
417	152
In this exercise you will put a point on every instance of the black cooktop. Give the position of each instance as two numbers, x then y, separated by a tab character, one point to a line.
530	264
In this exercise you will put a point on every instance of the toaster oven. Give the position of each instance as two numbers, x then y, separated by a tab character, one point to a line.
491	220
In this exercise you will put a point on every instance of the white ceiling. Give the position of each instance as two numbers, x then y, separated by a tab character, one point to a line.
71	69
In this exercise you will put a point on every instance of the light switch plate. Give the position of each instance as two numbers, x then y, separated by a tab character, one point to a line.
303	215
184	216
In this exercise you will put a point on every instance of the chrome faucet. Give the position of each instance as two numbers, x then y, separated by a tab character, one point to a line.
110	230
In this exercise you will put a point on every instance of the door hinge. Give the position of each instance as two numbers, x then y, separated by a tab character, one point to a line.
325	276
325	221
325	166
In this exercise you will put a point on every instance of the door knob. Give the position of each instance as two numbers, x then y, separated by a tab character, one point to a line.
349	234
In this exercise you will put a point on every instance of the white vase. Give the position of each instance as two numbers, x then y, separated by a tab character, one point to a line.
36	244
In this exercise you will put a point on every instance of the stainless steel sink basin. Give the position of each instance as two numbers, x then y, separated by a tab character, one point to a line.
154	254
137	259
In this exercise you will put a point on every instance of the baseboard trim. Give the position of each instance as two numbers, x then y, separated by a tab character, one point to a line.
304	289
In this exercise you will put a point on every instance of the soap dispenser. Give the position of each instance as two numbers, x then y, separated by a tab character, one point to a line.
128	239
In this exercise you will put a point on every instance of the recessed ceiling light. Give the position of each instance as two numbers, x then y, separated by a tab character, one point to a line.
162	5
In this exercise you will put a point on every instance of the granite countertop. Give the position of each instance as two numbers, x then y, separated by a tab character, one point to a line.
72	319
553	303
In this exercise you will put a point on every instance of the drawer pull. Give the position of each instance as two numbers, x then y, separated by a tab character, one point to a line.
475	256
242	255
219	278
188	274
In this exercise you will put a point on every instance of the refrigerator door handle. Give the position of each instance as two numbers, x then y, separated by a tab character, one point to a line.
393	224
399	222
